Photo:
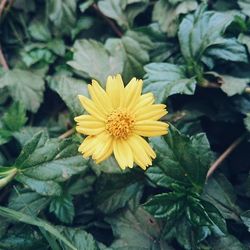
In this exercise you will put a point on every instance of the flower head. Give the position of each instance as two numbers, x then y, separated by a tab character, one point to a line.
117	121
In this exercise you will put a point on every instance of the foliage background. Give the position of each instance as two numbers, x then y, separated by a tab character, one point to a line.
192	55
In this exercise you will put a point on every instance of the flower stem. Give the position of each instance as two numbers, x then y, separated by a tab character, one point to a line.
225	154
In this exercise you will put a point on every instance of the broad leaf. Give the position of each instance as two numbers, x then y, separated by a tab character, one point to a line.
25	87
128	223
219	191
115	191
181	159
167	14
62	14
123	12
63	208
91	58
165	79
131	53
69	88
201	34
44	163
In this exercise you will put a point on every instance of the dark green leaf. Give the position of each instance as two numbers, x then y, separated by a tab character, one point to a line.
128	223
22	88
92	59
69	88
181	159
63	208
165	79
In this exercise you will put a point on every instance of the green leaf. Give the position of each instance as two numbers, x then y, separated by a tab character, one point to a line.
62	13
21	217
233	85
63	208
167	205
226	242
165	79
128	223
91	58
115	191
131	53
220	192
25	87
80	239
39	31
124	12
69	88
246	218
44	163
167	14
27	202
245	6
180	159
201	34
247	122
15	117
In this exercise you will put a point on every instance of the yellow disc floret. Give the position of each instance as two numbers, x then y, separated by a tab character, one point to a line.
120	124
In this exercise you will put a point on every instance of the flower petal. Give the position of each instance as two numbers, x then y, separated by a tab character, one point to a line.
123	154
91	108
115	90
143	100
151	112
132	93
142	159
104	147
150	128
100	97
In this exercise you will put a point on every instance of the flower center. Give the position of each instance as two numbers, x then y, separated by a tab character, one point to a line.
120	124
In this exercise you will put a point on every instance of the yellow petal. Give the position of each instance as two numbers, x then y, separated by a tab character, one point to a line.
89	121
132	93
100	97
123	154
115	90
141	158
150	128
143	101
147	147
89	131
103	147
151	112
91	108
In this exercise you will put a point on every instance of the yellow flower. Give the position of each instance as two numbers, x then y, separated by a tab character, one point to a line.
117	120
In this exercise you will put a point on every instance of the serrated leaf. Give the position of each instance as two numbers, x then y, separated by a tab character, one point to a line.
62	13
69	88
27	202
80	239
219	191
245	216
167	14
200	34
167	205
25	87
44	163
31	220
165	79
131	53
128	223
233	85
15	117
39	31
245	6
63	208
115	191
180	159
91	58
123	12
